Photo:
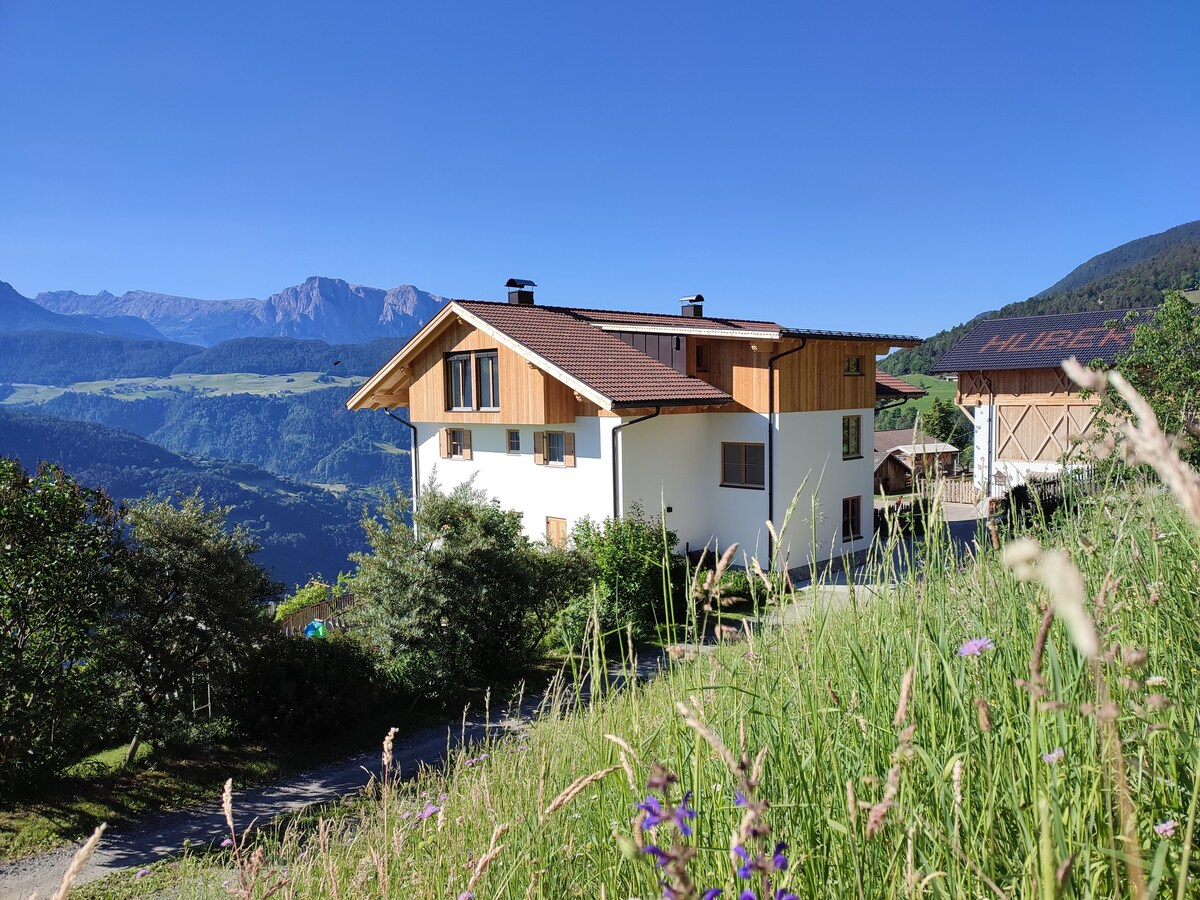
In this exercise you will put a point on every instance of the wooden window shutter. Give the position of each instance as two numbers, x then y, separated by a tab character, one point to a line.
466	443
539	448
568	448
444	442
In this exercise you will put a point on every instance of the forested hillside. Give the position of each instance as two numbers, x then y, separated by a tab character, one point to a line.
310	437
278	356
1140	283
62	357
303	530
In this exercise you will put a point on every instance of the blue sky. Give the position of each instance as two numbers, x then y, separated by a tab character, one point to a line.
879	166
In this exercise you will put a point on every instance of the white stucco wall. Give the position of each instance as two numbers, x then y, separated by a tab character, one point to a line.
518	483
675	461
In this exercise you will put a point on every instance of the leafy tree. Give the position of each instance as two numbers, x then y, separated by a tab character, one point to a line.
944	421
1163	363
60	552
460	600
194	598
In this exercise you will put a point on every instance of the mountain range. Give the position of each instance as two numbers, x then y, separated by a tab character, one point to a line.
327	309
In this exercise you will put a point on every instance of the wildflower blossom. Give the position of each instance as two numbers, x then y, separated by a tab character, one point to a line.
1054	756
660	858
653	810
976	646
684	814
228	842
1166	829
746	869
142	873
711	894
428	811
779	861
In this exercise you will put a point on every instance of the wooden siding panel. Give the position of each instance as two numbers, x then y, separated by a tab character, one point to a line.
1042	432
1040	384
812	379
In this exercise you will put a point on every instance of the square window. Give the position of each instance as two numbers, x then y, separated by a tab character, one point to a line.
555	445
514	440
473	381
852	365
851	518
743	465
852	437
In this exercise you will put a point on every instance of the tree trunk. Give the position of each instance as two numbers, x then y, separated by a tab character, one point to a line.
131	753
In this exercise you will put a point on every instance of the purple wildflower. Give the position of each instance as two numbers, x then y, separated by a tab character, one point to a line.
976	646
746	869
428	811
654	811
660	858
711	894
1054	756
747	894
683	814
142	873
228	842
1166	829
739	799
785	894
779	861
466	895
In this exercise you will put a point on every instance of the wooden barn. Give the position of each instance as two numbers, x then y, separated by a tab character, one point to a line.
1029	416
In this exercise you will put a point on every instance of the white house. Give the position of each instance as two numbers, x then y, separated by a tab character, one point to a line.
718	423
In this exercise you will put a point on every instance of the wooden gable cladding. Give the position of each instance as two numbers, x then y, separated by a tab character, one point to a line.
1025	384
527	395
809	380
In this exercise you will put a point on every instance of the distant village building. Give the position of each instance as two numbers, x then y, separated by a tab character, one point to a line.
903	455
562	413
1028	415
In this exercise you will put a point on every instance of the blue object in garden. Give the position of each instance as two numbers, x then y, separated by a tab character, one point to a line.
316	628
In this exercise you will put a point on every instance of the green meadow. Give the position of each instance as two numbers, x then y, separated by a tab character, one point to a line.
957	735
211	385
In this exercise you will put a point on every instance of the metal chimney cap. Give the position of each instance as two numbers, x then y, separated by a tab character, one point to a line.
519	283
695	298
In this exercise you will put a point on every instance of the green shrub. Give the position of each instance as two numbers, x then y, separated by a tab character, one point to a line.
465	599
316	591
636	576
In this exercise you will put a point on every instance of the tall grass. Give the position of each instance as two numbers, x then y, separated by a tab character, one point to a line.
991	776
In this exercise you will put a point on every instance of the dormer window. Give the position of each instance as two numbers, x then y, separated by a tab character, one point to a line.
473	381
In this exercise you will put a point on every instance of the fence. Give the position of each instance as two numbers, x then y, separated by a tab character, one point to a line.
331	611
953	490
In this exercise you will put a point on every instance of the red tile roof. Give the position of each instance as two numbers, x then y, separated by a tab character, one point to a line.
890	386
603	362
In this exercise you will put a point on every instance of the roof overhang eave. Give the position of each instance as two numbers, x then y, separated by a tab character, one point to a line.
685	331
893	340
674	401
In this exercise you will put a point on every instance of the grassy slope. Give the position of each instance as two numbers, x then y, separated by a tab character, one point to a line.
214	385
820	699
